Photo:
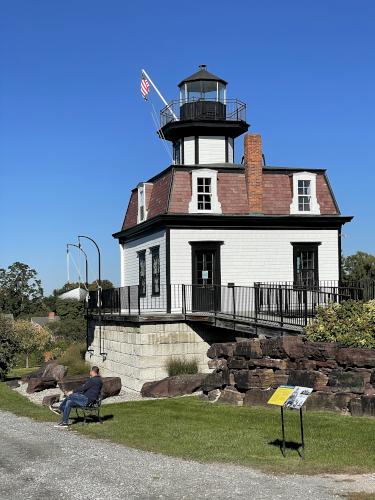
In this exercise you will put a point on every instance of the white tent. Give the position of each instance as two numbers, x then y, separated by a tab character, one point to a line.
75	294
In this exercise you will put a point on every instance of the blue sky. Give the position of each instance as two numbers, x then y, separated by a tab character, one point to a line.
75	135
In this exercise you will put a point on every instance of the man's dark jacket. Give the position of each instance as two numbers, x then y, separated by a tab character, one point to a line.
91	388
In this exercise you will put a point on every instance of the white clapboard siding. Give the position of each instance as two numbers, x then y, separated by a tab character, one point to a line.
189	150
230	150
248	256
211	150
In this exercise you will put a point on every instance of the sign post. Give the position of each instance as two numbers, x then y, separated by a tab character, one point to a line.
293	397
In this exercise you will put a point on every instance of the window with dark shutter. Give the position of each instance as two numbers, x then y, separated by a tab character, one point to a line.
155	255
142	272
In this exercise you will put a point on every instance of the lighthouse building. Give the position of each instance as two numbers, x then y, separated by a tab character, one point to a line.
208	220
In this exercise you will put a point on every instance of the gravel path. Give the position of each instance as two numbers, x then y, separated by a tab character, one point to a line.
38	461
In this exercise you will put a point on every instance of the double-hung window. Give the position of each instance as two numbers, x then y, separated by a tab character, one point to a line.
155	266
304	195
204	193
142	273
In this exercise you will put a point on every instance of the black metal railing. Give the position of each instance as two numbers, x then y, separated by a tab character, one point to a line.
207	109
283	304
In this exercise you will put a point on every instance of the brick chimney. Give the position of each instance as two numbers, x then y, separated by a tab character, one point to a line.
254	172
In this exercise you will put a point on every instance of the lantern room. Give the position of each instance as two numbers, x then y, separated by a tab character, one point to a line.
203	123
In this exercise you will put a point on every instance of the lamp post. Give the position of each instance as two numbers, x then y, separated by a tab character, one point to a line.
86	261
99	256
102	353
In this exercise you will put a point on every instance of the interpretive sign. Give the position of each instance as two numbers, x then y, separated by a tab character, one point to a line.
293	397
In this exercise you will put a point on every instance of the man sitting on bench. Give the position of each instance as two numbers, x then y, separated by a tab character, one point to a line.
83	396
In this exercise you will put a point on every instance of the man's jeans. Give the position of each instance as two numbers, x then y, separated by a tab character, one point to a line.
73	401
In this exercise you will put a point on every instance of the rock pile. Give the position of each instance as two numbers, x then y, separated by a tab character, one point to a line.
248	371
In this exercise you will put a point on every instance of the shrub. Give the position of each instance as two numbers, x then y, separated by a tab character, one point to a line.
74	359
8	346
351	323
31	338
179	366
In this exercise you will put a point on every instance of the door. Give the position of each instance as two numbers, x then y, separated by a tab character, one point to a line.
206	296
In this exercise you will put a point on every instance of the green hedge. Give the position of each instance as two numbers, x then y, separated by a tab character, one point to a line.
351	323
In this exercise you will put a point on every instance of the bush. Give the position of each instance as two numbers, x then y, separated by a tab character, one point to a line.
74	359
179	366
8	346
351	323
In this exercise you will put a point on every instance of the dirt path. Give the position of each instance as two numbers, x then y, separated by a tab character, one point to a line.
38	461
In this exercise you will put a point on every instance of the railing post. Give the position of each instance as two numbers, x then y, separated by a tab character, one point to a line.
234	301
281	305
129	299
304	294
256	302
184	300
139	300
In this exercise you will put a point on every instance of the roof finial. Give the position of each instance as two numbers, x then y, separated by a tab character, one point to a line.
202	67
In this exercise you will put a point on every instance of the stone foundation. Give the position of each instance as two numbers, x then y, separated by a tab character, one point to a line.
248	372
138	353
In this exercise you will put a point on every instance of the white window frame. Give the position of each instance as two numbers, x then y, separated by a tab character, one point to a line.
141	192
314	205
215	204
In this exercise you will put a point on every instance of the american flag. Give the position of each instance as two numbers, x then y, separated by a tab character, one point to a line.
145	88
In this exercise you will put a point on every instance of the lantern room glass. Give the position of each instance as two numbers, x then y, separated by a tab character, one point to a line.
202	90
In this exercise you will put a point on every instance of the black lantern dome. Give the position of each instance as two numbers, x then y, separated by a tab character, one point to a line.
203	110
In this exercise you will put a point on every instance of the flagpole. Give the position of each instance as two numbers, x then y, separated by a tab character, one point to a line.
159	94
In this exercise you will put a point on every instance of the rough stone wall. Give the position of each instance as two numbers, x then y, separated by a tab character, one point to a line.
248	371
138	353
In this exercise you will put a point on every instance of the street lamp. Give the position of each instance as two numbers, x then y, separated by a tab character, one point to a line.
99	257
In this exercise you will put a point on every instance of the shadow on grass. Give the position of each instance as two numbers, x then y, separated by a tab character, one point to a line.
289	445
91	420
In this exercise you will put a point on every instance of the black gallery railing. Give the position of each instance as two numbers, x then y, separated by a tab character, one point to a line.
275	303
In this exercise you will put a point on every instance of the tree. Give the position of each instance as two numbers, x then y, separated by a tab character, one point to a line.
359	266
72	324
21	291
8	345
31	338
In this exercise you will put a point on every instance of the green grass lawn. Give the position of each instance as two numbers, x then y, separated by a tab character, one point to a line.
192	429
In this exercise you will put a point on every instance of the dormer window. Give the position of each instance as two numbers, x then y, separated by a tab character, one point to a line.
204	192
142	212
304	194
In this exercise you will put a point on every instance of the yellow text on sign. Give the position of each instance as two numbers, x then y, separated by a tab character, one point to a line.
281	394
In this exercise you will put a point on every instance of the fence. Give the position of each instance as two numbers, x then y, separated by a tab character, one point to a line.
274	303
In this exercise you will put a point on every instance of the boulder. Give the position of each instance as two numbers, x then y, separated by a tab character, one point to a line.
238	363
328	401
37	374
283	347
314	379
340	381
306	364
372	378
230	395
280	377
258	378
224	350
13	384
257	397
217	364
50	400
356	356
276	364
54	370
368	406
320	351
111	386
68	384
355	407
215	380
40	384
249	349
214	395
173	386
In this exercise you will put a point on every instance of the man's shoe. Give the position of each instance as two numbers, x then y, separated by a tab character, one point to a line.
54	410
62	425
